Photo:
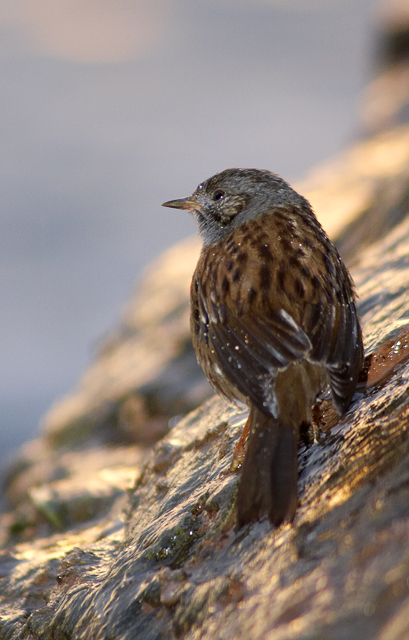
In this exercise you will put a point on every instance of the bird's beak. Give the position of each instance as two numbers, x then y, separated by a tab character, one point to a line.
184	203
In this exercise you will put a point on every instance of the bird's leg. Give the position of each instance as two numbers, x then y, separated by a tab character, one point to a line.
240	448
315	426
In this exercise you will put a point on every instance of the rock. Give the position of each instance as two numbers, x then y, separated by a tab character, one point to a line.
176	566
386	100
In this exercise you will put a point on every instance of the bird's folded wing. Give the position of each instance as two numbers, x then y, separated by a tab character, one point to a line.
251	351
343	353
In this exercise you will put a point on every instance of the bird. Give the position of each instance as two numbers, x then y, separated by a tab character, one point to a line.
273	323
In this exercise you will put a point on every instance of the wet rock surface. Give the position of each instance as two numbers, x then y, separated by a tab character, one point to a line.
109	535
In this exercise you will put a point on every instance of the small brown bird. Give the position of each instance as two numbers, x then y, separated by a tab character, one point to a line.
273	323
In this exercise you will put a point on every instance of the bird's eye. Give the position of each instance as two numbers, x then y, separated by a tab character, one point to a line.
218	195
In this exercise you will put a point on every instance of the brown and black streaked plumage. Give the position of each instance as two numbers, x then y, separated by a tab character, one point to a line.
273	323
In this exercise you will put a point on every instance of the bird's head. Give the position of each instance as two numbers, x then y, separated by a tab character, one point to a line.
234	196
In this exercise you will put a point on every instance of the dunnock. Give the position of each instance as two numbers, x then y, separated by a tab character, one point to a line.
273	323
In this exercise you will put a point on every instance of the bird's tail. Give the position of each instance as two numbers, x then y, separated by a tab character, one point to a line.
268	483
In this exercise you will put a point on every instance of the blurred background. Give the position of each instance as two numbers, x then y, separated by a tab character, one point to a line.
110	107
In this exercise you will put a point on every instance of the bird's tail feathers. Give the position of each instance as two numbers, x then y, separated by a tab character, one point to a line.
268	483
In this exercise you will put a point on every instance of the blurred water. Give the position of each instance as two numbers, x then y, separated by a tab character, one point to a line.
107	111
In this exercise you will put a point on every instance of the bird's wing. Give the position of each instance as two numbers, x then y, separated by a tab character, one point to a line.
251	350
337	342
